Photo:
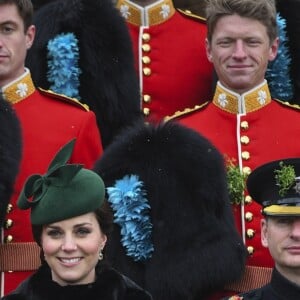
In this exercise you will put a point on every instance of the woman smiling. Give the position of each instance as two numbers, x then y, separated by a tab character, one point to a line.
71	222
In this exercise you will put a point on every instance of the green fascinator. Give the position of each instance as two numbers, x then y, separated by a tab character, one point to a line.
65	191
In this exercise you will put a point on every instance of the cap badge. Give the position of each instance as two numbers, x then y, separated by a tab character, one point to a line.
297	185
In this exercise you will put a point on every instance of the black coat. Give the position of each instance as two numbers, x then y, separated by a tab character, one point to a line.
109	285
278	289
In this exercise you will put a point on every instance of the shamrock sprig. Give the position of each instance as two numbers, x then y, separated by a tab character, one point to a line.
236	181
285	178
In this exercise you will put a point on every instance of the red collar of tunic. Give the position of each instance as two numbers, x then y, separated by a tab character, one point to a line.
18	89
235	103
152	14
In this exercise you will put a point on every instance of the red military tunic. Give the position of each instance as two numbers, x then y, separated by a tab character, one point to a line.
170	57
47	122
252	129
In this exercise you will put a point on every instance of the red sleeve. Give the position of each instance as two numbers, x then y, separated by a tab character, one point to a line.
88	146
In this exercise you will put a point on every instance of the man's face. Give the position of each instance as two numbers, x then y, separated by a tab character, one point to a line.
282	236
240	50
14	43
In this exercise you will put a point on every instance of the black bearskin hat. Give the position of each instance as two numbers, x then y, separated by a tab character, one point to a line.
10	154
188	246
108	81
290	9
39	3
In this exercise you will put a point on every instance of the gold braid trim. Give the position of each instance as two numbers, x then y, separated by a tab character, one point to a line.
285	103
185	111
64	98
189	13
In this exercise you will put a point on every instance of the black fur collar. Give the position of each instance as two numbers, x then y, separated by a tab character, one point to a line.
110	285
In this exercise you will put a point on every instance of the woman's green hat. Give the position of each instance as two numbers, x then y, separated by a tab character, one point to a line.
65	191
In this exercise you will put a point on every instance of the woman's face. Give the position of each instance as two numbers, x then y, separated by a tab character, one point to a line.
71	248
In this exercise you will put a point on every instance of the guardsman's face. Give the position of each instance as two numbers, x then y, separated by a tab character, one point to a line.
14	42
282	236
240	50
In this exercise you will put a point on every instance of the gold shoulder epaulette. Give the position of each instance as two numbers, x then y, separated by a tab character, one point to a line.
192	15
286	103
186	111
64	98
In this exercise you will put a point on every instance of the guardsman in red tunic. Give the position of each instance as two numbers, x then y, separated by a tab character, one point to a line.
91	38
169	51
243	121
47	122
